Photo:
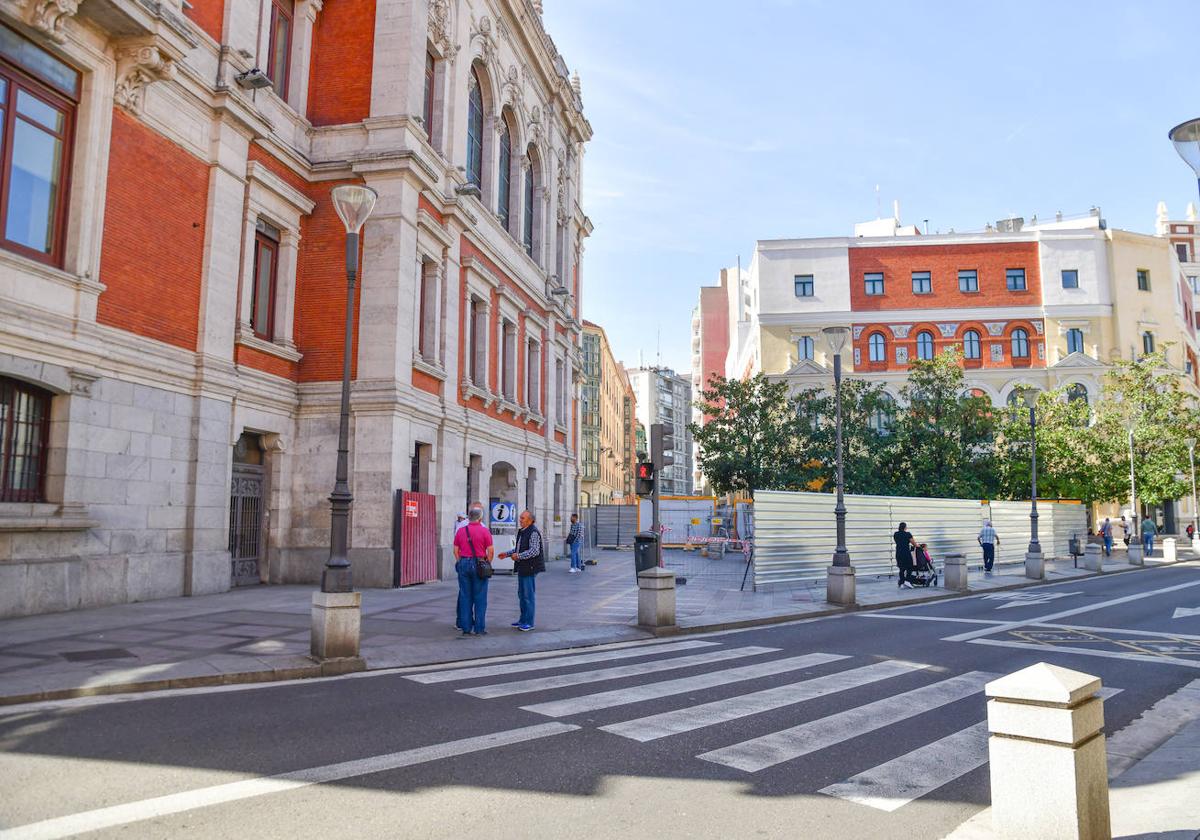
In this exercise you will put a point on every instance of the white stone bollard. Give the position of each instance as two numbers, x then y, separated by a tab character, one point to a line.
1048	767
840	586
336	625
1093	558
1035	565
1135	554
656	598
1196	545
954	573
1169	552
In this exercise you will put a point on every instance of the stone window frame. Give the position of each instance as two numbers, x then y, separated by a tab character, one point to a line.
429	313
300	50
272	200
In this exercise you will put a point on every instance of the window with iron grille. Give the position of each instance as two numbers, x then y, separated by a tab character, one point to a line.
24	430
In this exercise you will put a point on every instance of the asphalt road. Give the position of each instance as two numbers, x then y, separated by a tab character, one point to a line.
867	725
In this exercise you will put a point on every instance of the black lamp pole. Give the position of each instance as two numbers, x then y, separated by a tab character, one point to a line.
336	577
1034	546
841	557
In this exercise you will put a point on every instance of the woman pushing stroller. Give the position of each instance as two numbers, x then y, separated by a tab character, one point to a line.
913	560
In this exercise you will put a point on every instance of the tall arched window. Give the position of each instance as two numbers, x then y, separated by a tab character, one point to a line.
971	345
877	347
504	182
925	345
1020	344
475	131
24	434
527	221
1077	392
805	347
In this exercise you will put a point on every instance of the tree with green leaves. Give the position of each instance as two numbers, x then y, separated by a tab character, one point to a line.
868	414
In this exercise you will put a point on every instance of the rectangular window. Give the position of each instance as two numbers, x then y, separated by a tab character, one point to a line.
1143	279
922	283
279	50
1014	279
873	283
1181	251
266	268
24	436
533	376
1147	342
1074	340
427	326
968	280
35	145
804	285
427	104
1070	278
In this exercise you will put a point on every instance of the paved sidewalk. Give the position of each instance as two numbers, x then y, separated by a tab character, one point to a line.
262	633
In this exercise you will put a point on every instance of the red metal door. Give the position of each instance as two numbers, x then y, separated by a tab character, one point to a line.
414	538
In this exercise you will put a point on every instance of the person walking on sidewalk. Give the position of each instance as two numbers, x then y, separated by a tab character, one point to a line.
528	562
904	557
1149	529
989	540
1106	532
472	550
1125	531
574	538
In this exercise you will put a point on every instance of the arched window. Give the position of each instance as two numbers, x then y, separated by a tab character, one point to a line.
1077	392
1016	397
527	220
883	416
504	180
1020	344
24	431
972	348
475	131
1074	340
877	346
925	345
805	347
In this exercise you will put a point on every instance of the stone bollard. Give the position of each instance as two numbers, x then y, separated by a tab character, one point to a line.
1048	767
656	598
840	585
336	627
954	573
1035	565
1169	552
1093	558
1134	554
1196	545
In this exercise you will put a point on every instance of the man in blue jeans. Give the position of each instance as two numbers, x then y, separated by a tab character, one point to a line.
1148	532
1106	533
528	561
574	538
472	546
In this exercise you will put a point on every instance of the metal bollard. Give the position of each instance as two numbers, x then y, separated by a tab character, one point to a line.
656	598
1048	767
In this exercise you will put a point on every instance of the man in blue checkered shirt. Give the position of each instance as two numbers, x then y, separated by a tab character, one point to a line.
989	540
574	539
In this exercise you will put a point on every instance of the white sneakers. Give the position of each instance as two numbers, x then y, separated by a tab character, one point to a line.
572	570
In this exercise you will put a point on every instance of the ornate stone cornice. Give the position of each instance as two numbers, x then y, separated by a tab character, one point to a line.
47	16
440	27
139	65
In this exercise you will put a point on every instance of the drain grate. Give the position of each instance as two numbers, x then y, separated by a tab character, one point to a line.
96	655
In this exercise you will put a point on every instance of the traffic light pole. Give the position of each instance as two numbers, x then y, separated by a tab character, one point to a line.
658	554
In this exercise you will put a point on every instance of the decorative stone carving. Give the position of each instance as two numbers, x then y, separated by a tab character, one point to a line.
1041	346
487	42
1038	326
81	382
857	354
535	124
562	194
439	24
997	352
901	355
948	330
900	330
995	327
137	66
48	16
537	7
858	331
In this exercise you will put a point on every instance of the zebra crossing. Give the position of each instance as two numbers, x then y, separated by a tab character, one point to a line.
887	786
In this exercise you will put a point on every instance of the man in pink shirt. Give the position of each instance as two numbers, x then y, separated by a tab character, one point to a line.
472	545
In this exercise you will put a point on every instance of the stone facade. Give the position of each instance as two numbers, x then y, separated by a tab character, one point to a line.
608	409
170	371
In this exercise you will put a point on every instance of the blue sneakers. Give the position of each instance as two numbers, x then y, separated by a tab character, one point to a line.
524	628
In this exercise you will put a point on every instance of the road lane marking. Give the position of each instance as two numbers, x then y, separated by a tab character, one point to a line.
933	618
1103	654
487	692
1021	598
1165	634
1042	619
668	688
177	803
546	664
768	750
1185	612
722	711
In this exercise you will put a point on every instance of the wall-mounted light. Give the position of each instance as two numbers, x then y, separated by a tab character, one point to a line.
253	79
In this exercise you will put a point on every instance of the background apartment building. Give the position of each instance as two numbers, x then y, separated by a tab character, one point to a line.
663	397
174	298
607	410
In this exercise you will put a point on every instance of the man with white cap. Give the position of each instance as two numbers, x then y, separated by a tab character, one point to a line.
989	540
460	522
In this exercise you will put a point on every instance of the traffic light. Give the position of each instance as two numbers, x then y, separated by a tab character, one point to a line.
645	478
662	441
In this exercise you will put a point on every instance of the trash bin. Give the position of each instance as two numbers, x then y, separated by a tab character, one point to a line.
645	552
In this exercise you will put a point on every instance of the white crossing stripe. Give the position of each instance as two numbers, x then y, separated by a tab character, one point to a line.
177	803
897	782
558	662
732	708
562	680
786	744
667	688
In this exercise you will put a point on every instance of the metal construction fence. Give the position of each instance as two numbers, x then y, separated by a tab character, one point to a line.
794	536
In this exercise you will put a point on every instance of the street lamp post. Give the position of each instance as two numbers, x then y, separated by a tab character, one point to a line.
1191	445
336	613
1035	564
1186	138
840	586
1134	553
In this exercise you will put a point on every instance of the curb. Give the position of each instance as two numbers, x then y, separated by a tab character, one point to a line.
339	667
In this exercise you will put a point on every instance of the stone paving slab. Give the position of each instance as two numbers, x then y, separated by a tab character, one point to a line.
262	633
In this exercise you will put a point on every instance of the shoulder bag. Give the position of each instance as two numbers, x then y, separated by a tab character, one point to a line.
483	567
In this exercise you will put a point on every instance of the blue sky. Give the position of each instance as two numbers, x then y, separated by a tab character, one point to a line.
718	123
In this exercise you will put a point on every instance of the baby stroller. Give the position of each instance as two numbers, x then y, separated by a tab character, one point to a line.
924	573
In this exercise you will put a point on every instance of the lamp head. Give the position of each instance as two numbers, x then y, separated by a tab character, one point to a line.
836	337
353	204
1191	442
1186	137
